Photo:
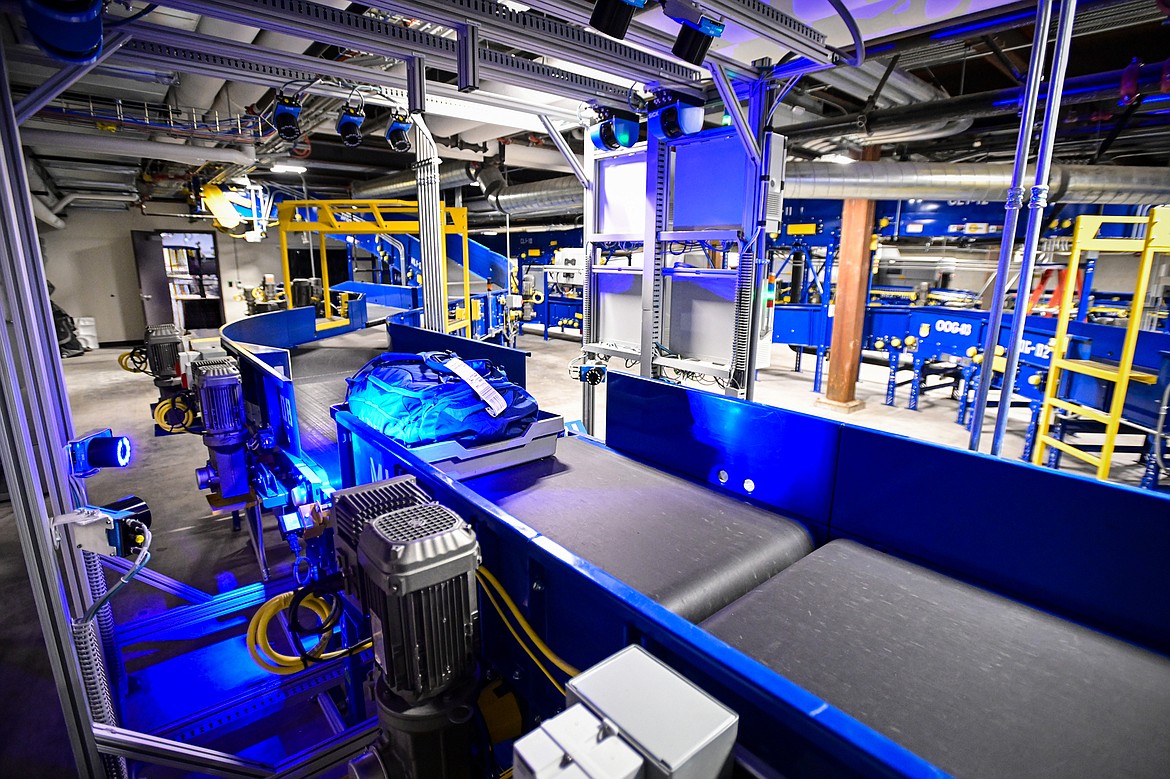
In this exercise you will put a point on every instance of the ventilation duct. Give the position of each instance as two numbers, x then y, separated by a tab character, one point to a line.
137	148
1098	184
451	176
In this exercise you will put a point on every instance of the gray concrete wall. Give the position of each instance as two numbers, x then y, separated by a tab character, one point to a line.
91	263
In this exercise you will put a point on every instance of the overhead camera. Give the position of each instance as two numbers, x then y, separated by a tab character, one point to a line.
613	17
286	116
349	125
615	132
697	31
398	133
670	121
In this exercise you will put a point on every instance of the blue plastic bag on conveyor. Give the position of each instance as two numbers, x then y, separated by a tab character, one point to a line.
420	399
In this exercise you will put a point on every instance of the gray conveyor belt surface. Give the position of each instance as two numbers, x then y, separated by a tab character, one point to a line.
688	547
319	371
979	685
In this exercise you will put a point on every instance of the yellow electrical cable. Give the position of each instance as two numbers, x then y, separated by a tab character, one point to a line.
543	647
495	604
268	658
164	406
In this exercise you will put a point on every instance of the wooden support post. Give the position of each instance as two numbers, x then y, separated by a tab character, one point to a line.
853	270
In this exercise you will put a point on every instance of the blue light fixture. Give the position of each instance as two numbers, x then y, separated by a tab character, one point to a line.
109	452
98	450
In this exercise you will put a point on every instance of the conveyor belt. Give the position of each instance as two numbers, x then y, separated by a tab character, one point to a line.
688	547
979	685
319	371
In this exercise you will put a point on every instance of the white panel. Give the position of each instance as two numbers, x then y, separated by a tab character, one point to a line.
621	194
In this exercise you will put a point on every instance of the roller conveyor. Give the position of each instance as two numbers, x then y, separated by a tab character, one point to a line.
691	549
980	685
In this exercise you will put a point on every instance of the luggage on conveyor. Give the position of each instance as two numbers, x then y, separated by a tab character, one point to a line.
419	399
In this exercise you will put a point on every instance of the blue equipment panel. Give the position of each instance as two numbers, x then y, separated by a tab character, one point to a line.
411	339
784	457
1090	550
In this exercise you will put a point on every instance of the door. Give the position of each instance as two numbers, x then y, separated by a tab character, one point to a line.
153	284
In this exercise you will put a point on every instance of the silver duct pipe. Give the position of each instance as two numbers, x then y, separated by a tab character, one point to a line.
1096	184
108	197
905	180
451	176
45	214
137	148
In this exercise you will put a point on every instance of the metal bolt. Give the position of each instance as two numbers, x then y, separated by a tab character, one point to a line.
537	587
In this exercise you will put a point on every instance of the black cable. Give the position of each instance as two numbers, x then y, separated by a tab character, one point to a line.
328	590
113	25
854	31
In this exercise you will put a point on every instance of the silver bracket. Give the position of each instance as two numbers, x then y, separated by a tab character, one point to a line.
563	147
731	103
467	57
64	78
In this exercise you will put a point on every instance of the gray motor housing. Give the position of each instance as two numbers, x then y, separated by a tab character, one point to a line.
417	568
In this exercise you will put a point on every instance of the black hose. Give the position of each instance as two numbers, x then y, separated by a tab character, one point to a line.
854	31
113	25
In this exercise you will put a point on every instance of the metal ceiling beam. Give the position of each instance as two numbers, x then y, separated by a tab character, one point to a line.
194	53
578	12
552	38
63	79
323	24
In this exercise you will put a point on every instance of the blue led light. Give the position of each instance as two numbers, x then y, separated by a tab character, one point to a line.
122	456
108	451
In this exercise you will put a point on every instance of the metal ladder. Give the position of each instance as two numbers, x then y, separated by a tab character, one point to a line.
1086	239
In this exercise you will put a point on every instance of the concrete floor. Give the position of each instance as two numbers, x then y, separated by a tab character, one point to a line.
187	536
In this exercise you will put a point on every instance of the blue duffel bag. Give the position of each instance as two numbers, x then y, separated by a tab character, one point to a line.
420	399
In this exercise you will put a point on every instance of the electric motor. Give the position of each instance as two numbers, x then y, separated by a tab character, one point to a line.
221	399
225	431
416	563
163	344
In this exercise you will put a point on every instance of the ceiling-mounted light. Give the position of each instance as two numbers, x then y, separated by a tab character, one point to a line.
287	167
697	31
349	125
840	159
286	116
612	17
398	133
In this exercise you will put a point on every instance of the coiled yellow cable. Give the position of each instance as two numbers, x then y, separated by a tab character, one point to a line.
262	651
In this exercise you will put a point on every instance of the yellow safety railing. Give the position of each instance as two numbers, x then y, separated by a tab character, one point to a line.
370	217
1120	373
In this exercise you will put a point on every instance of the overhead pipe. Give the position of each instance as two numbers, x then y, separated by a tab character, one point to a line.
1036	204
1012	206
451	176
1096	184
979	105
106	197
45	214
137	148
